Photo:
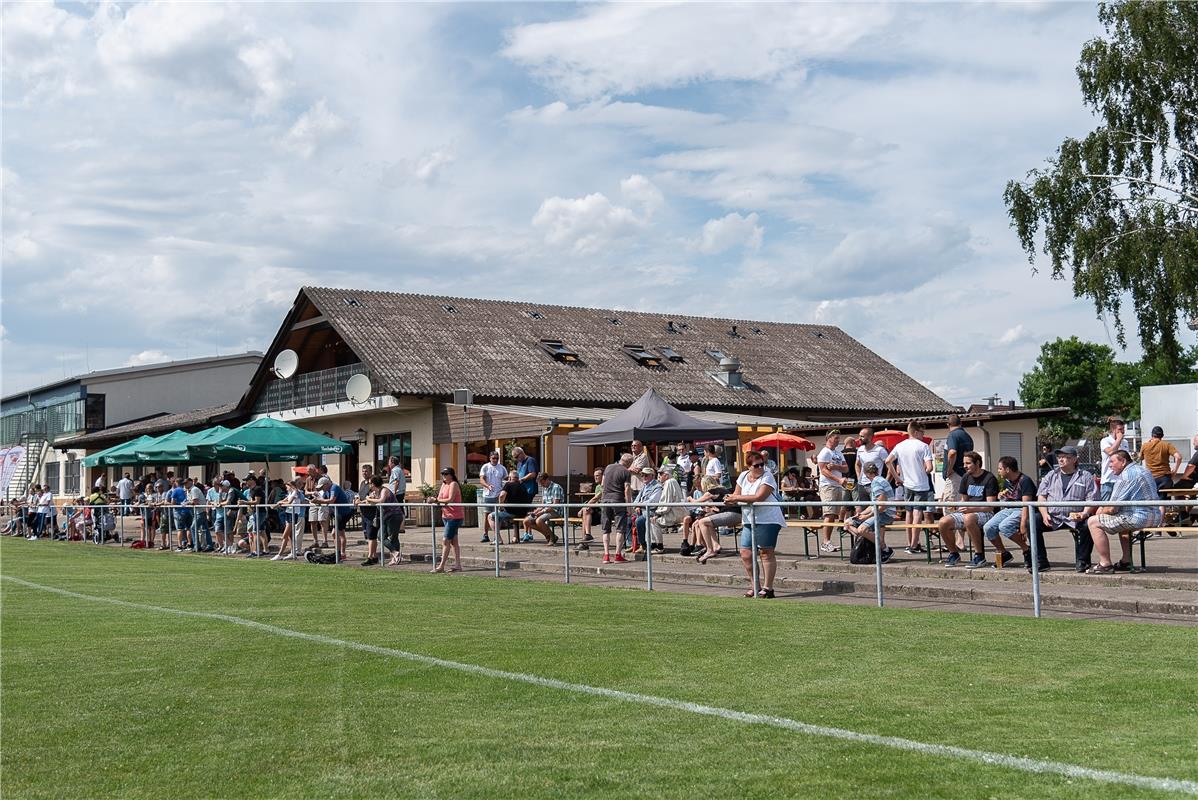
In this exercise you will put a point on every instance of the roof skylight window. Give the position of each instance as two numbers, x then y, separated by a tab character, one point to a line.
559	351
642	356
672	355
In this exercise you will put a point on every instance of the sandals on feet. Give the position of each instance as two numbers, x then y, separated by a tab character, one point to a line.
1101	569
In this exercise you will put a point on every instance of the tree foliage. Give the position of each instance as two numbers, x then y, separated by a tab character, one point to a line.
1086	378
1118	210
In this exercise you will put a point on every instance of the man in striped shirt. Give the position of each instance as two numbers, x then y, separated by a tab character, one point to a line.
1132	482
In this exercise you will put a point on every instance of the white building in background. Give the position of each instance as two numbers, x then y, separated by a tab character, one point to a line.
42	423
1175	408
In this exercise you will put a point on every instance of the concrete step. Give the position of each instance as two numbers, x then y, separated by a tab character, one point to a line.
902	567
1104	593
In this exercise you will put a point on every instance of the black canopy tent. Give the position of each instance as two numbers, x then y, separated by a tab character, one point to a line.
651	419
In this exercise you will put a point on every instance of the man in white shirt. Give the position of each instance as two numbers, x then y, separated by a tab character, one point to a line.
713	471
911	463
124	490
1110	443
492	476
869	452
397	479
684	466
640	461
833	469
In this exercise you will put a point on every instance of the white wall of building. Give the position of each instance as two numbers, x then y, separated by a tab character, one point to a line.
136	395
1175	408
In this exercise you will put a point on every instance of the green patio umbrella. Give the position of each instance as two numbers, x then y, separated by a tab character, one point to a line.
180	451
267	439
153	452
112	455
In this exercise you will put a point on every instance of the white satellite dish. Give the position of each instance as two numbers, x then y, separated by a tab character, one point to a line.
286	363
358	389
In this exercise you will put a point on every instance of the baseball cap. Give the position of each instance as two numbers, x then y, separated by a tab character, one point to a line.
1067	450
225	483
648	471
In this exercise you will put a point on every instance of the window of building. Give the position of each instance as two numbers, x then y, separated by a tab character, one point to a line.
559	351
393	444
642	356
52	476
94	412
534	314
70	483
477	454
672	354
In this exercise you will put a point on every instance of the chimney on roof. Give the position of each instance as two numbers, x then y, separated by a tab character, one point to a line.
729	373
1010	404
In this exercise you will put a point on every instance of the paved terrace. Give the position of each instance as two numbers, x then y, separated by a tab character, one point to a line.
1167	591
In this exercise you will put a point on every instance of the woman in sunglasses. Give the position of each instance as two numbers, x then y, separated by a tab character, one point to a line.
756	485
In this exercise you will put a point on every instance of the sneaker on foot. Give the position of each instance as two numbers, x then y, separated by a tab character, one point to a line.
619	559
909	551
607	559
887	554
1007	557
278	557
953	560
289	557
977	562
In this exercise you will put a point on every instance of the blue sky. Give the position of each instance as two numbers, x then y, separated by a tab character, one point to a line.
173	173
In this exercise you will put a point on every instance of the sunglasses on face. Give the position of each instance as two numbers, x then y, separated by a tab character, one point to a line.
758	465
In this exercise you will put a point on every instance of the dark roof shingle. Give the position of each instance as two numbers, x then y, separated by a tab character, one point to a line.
430	345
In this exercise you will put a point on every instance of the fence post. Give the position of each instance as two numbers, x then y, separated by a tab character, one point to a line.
1034	535
121	533
648	554
497	534
566	535
877	553
753	550
432	524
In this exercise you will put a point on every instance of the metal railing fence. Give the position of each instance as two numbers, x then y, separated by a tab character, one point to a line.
109	523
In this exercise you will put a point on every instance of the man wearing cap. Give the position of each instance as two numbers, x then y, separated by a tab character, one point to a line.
1161	458
650	492
1067	483
552	499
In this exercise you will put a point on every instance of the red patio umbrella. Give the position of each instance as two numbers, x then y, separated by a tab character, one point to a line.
889	438
476	458
782	441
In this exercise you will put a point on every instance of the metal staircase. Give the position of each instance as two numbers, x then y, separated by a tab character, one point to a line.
30	467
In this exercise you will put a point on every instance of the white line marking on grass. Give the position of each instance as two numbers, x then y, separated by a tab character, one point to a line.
996	759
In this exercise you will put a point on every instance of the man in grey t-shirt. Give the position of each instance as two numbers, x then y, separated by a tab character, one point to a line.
398	481
617	488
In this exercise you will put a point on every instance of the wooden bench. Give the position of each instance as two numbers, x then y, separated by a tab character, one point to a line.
1143	536
812	528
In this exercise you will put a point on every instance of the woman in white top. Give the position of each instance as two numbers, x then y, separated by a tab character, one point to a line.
47	513
293	529
756	485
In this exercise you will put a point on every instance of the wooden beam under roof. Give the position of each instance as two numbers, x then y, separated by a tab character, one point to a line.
308	323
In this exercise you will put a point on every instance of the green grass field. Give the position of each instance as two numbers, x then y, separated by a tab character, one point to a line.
103	700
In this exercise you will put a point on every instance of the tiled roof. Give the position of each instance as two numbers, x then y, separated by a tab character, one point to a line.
996	414
429	345
152	426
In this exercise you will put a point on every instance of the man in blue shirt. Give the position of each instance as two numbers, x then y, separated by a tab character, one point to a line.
177	499
956	446
526	470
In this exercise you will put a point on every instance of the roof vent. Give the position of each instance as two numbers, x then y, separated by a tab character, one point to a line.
642	356
733	332
729	374
559	351
717	355
672	328
614	320
819	335
351	301
534	314
757	331
672	354
447	308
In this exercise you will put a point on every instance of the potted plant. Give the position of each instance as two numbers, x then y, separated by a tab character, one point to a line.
470	495
423	514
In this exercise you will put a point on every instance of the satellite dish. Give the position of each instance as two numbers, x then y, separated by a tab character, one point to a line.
286	362
358	389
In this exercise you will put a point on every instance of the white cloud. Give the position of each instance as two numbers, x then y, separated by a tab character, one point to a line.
588	224
146	357
729	231
314	128
625	47
1012	335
